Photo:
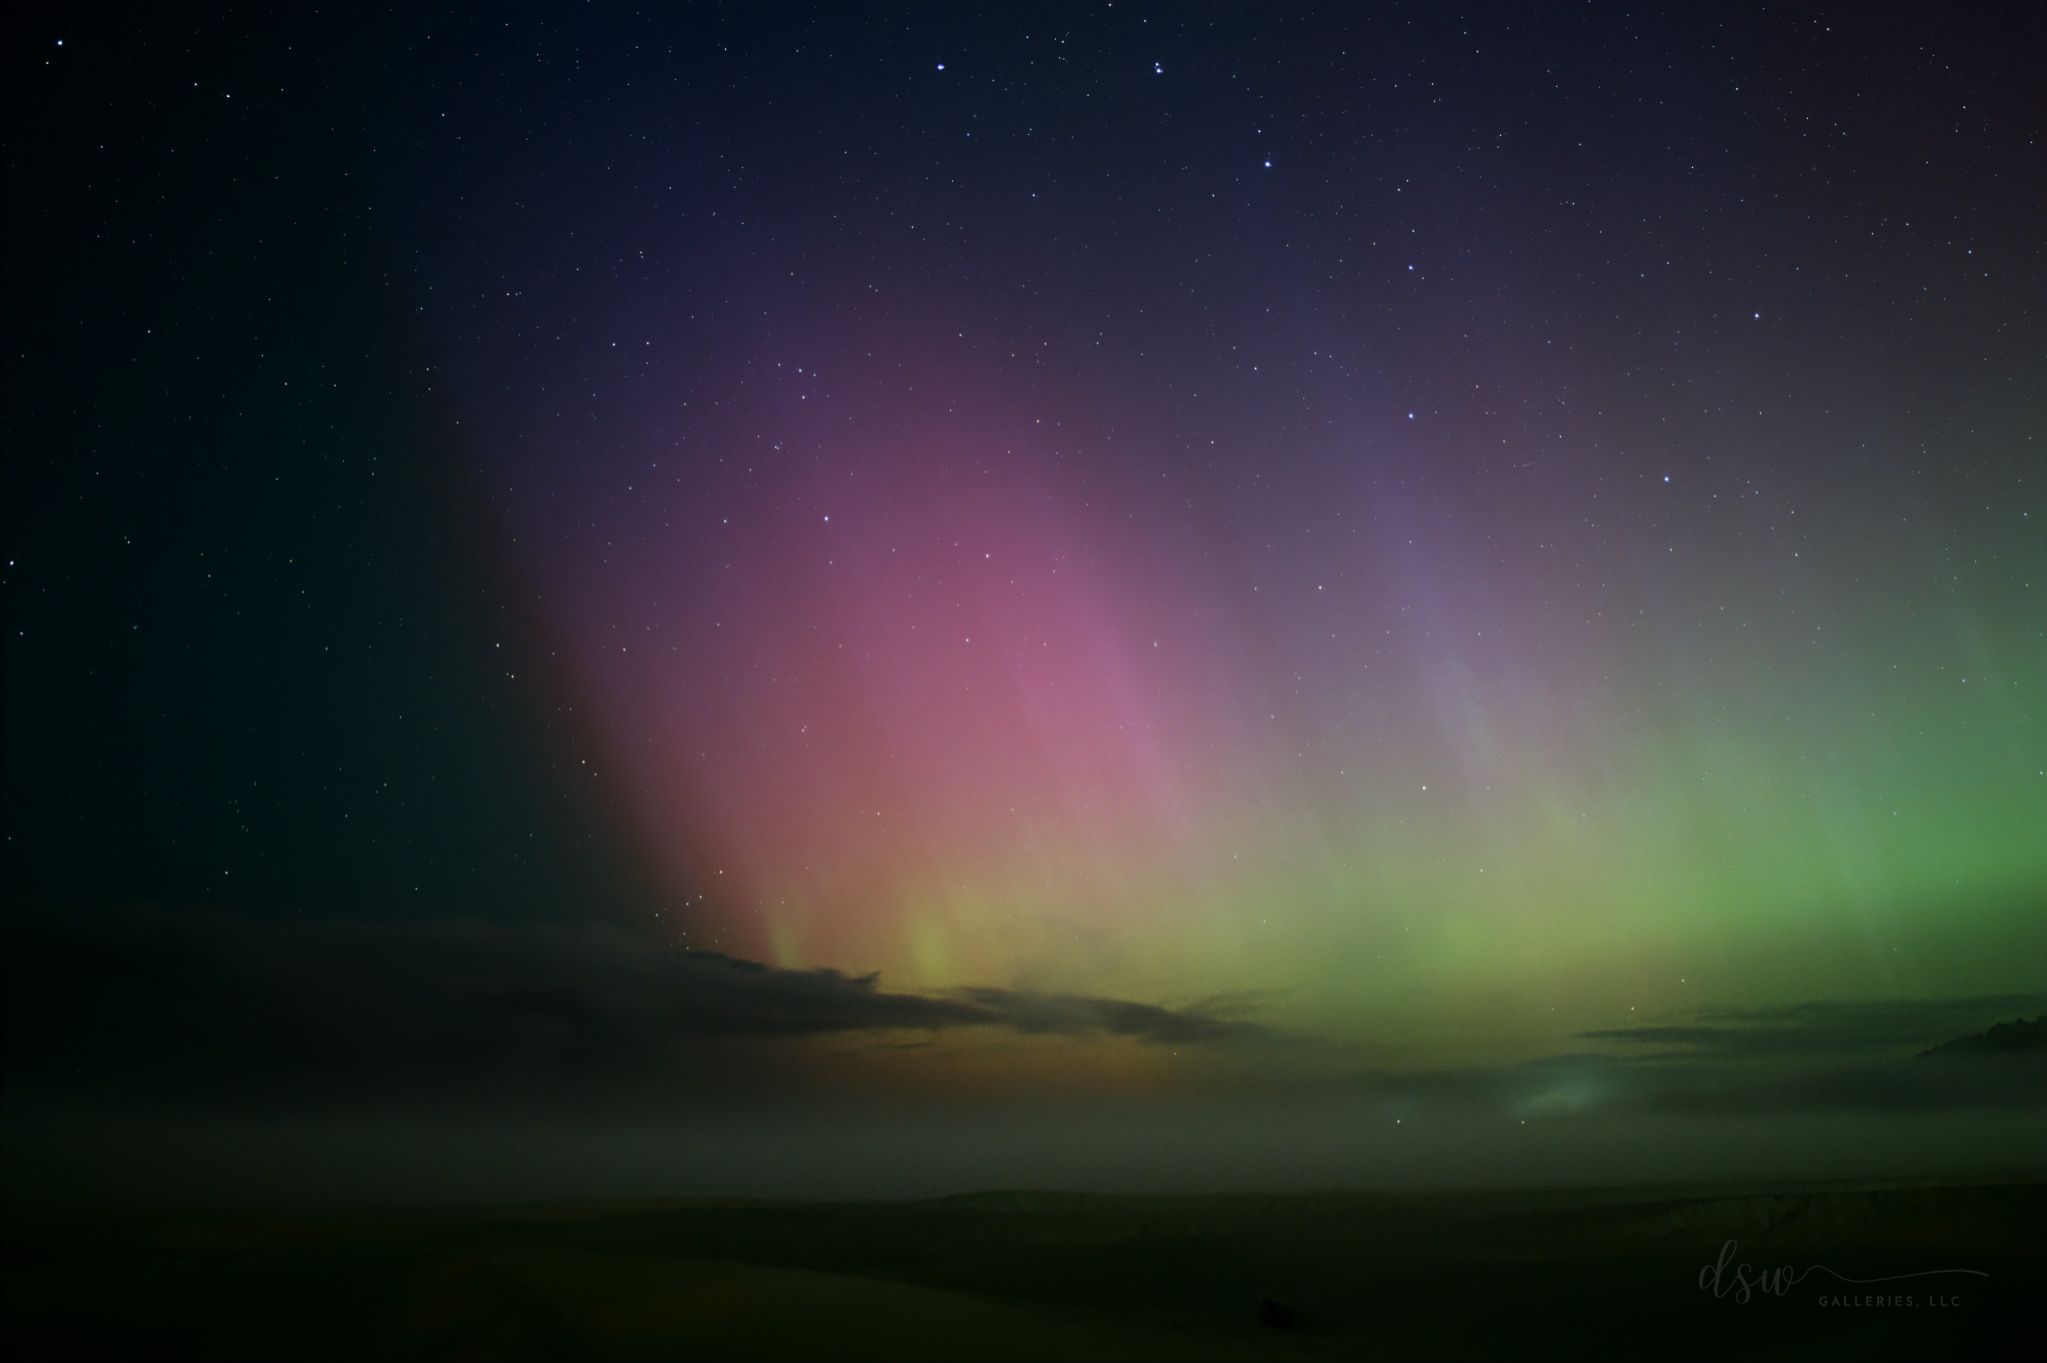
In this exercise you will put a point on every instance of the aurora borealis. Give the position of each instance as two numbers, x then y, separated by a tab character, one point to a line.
1203	519
941	702
1467	570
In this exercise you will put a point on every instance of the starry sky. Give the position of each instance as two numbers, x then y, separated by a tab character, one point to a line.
1099	539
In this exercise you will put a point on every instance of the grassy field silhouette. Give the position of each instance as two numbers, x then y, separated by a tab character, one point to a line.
1038	1275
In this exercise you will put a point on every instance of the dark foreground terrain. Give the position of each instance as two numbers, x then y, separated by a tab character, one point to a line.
1033	1275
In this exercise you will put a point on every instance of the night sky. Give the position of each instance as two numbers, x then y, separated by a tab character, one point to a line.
1487	562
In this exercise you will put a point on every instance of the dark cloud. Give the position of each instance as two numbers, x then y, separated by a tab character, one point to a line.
1791	1059
216	1006
1080	1014
1899	1026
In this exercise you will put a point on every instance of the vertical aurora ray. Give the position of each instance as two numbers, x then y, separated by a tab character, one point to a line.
978	609
946	702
